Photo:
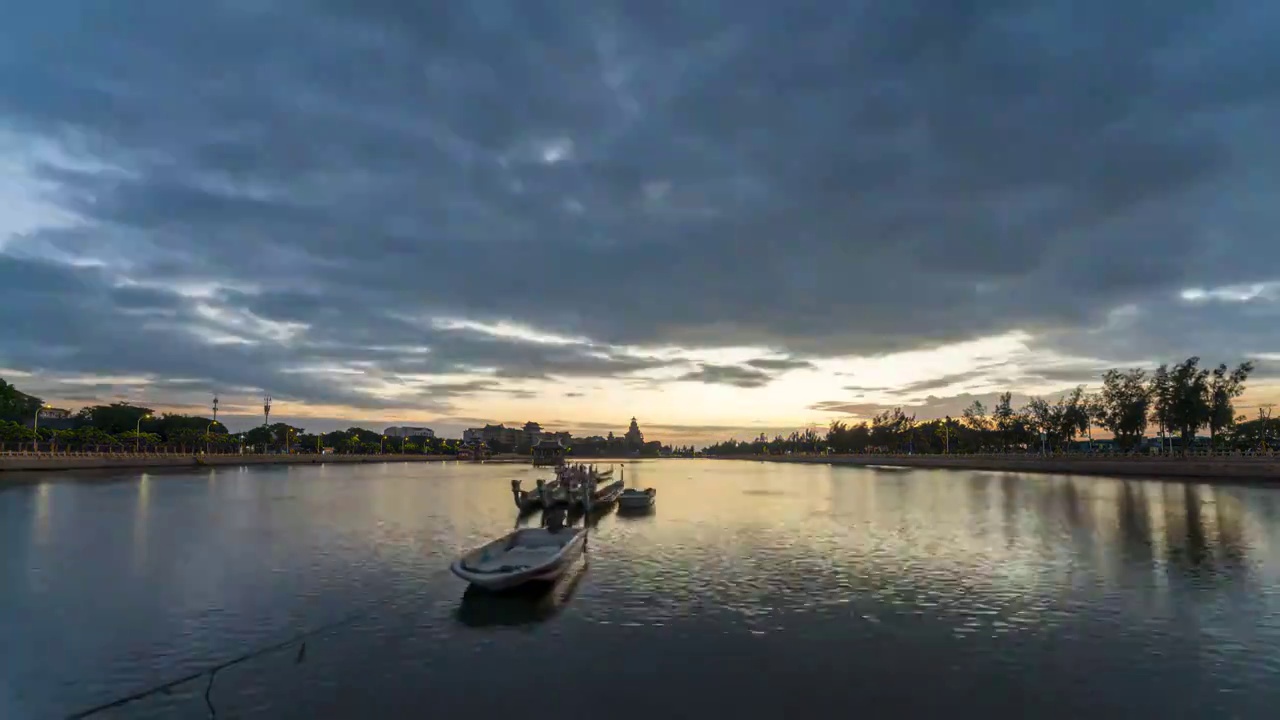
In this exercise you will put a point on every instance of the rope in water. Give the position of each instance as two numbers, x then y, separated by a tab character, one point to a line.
213	670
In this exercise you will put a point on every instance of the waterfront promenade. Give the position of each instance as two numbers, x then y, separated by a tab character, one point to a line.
18	462
1253	469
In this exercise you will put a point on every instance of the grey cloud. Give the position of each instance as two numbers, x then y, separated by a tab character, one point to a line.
935	383
727	375
929	408
60	320
780	364
860	179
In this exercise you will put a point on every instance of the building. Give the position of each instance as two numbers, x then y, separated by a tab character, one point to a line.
499	434
548	451
405	431
525	437
53	418
634	438
531	434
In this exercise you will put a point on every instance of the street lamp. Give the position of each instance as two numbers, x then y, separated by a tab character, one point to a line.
137	433
382	439
35	426
208	429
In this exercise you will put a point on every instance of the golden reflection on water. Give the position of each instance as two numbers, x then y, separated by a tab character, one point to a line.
1022	540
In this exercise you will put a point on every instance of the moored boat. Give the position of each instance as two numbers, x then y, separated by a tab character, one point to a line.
529	500
635	499
596	497
520	557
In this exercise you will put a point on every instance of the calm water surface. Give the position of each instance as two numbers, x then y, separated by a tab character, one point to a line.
754	588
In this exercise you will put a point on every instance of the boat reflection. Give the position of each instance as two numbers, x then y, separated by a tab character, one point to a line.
528	605
637	513
590	519
524	518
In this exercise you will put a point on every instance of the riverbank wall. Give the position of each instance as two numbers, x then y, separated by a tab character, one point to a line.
1234	469
127	461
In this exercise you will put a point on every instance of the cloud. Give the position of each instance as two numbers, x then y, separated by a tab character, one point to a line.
728	375
929	408
780	364
231	190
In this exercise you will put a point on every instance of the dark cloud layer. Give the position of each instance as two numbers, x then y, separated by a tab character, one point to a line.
728	375
839	178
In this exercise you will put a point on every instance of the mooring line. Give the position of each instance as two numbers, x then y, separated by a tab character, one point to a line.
213	670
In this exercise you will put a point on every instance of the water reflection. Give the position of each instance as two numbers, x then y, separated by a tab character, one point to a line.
1156	597
43	511
528	605
141	518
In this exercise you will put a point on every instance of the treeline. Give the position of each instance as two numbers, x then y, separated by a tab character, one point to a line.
1176	402
122	426
126	427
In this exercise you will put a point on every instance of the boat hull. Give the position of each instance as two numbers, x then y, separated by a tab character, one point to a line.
637	500
603	497
543	573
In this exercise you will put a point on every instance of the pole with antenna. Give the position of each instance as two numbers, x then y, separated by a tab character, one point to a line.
266	419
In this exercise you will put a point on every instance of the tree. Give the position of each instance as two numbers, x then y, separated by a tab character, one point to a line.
1124	402
1004	418
1190	407
1071	415
1161	392
1040	418
1223	388
17	406
116	418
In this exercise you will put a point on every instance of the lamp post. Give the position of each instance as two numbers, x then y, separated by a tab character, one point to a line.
402	444
137	433
35	427
207	430
382	440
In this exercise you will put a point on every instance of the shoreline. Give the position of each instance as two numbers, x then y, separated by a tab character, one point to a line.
17	464
56	463
1262	471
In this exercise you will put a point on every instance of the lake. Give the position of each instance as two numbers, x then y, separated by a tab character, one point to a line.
754	588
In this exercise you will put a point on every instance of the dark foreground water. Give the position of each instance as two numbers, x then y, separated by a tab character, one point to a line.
755	589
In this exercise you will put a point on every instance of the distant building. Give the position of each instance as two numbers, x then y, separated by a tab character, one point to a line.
405	431
53	419
531	434
634	438
527	436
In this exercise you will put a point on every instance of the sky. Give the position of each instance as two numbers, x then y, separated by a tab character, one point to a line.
719	217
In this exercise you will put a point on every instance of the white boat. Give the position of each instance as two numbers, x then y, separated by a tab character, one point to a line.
522	556
634	499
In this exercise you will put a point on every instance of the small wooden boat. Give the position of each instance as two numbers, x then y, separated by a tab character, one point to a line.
522	556
634	499
600	497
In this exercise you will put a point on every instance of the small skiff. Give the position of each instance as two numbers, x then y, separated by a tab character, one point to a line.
633	499
522	556
602	497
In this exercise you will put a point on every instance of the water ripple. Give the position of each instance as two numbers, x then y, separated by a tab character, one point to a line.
1114	598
